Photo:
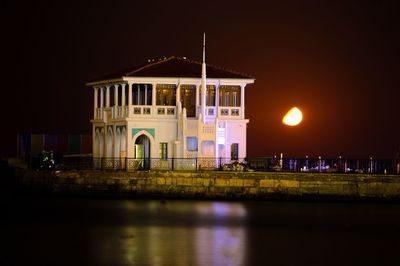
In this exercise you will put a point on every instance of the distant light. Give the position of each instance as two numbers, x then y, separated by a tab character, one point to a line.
293	117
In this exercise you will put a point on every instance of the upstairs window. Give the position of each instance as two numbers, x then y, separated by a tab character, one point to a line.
210	96
229	96
142	94
166	94
188	99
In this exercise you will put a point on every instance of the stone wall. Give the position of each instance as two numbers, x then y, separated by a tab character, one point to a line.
216	184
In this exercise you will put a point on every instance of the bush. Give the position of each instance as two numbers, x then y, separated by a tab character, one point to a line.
235	166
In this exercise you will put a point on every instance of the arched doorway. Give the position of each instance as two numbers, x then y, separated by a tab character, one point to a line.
99	142
98	149
142	151
117	146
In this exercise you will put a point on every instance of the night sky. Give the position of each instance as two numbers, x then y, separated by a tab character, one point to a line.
336	60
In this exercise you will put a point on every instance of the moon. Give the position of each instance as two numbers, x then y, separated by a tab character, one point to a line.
293	117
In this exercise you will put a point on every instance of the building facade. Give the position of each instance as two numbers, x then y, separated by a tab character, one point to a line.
170	108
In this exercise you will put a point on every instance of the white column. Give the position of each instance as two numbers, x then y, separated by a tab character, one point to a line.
184	126
101	97
178	95
153	96
203	101
95	102
115	95
94	142
217	100
129	102
197	100
242	99
123	94
108	96
216	136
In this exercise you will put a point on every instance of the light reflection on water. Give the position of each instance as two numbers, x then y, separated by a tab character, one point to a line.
220	246
200	244
81	231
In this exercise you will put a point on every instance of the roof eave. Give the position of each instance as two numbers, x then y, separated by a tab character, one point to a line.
246	80
105	82
125	79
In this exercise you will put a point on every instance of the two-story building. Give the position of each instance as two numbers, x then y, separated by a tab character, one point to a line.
170	108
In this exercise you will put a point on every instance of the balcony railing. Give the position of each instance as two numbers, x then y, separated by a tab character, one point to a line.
231	112
139	110
120	112
211	111
117	112
99	113
166	110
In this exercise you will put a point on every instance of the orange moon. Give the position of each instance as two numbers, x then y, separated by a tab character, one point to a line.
293	117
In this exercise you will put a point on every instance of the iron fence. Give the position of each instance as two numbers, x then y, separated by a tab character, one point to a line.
338	165
269	164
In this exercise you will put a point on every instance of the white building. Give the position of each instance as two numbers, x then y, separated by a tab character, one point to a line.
157	110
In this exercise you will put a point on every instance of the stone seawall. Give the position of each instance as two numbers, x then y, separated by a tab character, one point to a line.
261	185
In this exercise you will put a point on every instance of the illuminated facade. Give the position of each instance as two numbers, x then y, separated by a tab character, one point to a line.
160	110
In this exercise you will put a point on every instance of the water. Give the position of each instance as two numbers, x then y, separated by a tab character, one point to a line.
83	231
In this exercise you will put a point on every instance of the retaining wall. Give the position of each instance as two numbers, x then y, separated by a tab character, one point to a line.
215	184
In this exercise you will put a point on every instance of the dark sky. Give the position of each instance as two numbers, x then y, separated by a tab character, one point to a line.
337	60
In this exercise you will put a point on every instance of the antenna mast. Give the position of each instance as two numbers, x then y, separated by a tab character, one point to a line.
203	80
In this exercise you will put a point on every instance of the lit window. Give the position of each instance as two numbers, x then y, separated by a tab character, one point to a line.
191	143
163	150
229	96
166	94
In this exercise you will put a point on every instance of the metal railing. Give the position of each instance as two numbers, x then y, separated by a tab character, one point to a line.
269	164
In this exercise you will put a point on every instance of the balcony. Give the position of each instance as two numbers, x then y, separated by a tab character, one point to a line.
104	114
120	112
153	111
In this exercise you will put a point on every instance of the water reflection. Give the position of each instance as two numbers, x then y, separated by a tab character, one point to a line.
167	242
80	231
220	246
221	209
